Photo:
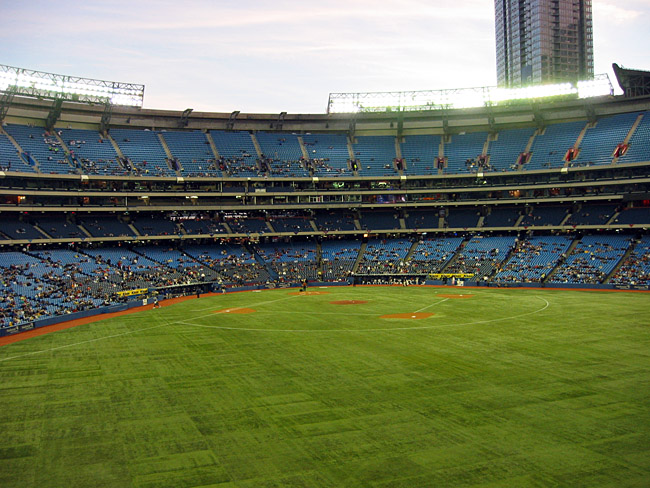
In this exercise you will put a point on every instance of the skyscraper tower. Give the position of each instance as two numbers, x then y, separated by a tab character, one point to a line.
543	41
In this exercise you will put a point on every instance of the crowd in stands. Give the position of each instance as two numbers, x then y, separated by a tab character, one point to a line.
385	256
635	270
592	260
532	259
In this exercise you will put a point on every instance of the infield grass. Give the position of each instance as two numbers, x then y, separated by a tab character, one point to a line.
504	388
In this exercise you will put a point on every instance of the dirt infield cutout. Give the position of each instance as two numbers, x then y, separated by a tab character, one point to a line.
238	310
409	316
309	293
456	296
348	302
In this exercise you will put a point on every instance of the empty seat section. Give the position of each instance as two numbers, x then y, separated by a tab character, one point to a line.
548	149
144	150
42	146
153	225
639	149
334	221
202	226
502	217
463	150
544	215
504	152
379	220
419	152
92	154
634	216
328	152
10	159
193	152
237	152
462	218
600	141
14	228
422	219
291	224
59	227
375	155
106	226
245	225
285	153
592	214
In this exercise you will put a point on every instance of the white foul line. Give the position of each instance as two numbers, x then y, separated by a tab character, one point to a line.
547	304
82	342
436	326
125	333
429	306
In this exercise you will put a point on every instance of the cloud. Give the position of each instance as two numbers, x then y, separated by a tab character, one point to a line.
614	13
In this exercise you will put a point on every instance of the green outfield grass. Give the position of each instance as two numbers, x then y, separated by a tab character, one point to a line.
504	388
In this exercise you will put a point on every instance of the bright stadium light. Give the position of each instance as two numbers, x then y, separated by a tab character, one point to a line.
48	85
463	97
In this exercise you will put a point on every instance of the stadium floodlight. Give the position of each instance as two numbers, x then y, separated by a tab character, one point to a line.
52	86
464	97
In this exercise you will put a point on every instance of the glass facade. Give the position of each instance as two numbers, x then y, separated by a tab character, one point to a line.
543	41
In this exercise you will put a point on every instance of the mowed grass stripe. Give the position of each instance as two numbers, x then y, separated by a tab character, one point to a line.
552	398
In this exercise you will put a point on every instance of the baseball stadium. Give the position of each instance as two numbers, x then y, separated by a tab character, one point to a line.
415	289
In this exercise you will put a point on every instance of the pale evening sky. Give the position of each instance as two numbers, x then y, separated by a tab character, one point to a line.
287	55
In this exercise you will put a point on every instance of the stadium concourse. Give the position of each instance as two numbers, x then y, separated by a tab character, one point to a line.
100	212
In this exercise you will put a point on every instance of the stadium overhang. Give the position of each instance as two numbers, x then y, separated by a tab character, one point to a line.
633	82
459	98
42	85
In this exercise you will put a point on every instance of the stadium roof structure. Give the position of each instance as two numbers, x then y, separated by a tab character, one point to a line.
42	85
633	82
408	101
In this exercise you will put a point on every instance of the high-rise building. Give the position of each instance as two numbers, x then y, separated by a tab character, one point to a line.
543	41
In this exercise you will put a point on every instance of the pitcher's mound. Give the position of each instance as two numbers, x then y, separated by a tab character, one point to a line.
411	316
456	296
236	310
348	302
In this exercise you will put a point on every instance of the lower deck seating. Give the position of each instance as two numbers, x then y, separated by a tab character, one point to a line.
533	259
384	256
635	270
592	259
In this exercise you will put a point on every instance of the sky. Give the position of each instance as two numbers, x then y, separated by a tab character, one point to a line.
284	55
